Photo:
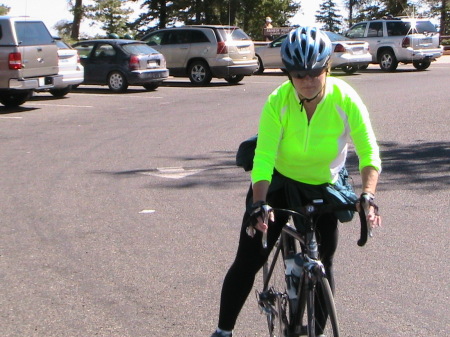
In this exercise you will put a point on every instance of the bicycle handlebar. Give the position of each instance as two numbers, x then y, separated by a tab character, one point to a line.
311	209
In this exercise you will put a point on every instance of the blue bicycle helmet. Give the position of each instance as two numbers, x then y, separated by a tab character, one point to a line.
305	48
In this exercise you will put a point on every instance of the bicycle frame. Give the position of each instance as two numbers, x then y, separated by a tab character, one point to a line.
287	311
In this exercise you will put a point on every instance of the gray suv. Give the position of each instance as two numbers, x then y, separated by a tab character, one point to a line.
204	52
28	59
395	40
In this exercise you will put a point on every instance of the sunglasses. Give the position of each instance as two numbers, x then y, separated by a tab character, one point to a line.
301	74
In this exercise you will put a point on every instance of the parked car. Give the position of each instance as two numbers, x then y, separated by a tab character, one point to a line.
347	55
69	67
119	63
28	59
397	40
204	52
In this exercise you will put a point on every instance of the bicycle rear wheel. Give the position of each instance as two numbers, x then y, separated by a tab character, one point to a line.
322	317
278	306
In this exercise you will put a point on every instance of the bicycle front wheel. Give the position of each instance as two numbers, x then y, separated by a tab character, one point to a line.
278	306
322	317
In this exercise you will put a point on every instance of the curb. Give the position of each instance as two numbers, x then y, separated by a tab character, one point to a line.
444	58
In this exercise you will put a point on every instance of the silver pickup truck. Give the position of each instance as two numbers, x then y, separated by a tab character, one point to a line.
28	59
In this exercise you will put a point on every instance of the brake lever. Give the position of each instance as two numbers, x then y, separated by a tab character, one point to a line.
266	209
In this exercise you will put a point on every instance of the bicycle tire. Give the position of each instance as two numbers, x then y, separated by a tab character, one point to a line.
321	310
279	315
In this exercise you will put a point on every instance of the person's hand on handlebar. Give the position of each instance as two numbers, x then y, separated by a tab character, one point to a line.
260	214
370	210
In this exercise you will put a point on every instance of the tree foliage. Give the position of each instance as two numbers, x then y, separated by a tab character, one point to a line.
329	16
360	10
247	14
111	14
4	10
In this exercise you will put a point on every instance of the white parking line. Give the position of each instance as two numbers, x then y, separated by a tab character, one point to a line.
63	105
110	95
197	88
172	172
10	117
147	211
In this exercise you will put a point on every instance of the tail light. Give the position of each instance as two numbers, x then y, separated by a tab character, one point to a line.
222	47
339	48
15	61
134	62
406	42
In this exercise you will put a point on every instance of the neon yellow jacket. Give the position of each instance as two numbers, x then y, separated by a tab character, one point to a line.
314	152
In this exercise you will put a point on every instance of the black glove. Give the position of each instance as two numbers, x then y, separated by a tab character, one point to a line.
259	209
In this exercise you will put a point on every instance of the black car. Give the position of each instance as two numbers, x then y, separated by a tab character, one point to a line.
120	63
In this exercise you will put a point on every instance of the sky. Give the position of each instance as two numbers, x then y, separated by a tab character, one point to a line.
52	11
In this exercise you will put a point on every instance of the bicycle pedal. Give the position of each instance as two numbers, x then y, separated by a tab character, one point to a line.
265	311
301	331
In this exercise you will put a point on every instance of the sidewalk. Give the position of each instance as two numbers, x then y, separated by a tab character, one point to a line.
444	58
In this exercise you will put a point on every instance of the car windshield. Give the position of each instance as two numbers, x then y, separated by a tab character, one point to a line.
139	48
336	37
422	26
32	33
402	28
235	34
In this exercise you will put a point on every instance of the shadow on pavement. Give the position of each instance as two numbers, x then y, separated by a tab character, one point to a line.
423	165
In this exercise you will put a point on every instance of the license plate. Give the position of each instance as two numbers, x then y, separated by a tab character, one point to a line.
426	40
152	64
241	49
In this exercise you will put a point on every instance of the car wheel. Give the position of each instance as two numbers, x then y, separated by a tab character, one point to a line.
117	82
199	73
260	68
421	65
61	92
14	99
151	86
349	69
388	61
234	79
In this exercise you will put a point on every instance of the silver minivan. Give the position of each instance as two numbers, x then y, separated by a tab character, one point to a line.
28	59
206	51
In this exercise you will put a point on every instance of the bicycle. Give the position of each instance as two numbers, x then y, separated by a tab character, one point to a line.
303	304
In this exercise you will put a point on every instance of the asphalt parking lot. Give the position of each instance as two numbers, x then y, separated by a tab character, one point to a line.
120	212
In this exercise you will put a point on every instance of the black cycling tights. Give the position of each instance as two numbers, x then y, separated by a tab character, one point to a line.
251	257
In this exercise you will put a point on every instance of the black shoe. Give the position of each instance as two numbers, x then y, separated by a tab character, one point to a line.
219	334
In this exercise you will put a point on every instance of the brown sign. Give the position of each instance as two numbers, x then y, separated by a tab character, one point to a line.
277	30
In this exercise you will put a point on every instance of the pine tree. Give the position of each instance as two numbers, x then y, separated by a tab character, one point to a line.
329	16
4	9
111	14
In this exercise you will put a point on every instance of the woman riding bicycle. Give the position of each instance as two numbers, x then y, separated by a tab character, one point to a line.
302	146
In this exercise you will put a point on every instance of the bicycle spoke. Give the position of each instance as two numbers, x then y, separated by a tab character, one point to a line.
322	318
274	299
